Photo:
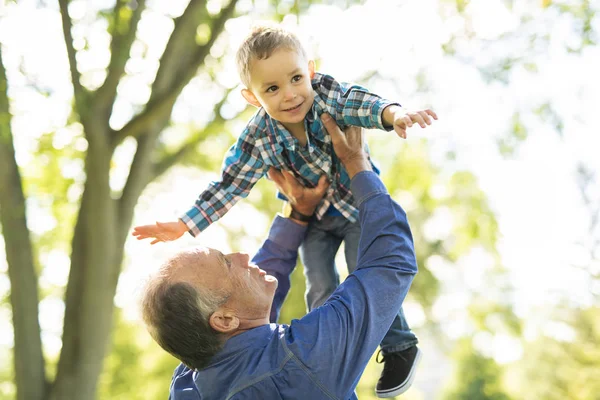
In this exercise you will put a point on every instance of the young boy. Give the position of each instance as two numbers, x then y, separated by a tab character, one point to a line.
286	133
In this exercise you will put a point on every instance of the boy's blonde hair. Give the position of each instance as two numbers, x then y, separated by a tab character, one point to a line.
261	43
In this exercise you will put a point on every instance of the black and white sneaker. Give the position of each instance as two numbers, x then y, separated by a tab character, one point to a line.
398	371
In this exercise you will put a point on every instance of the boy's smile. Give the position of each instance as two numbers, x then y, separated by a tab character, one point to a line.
281	85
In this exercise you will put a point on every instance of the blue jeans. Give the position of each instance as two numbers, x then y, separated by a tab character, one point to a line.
318	250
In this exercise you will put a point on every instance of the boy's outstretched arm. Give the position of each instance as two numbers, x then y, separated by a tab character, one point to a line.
161	231
400	119
242	168
354	105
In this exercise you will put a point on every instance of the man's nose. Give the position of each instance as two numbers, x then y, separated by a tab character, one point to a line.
242	258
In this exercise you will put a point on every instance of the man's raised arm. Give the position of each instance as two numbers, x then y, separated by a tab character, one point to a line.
336	340
279	252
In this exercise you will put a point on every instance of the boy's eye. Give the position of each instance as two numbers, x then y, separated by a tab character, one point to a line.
272	89
297	78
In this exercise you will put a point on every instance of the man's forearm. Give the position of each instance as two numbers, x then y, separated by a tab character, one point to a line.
278	256
386	238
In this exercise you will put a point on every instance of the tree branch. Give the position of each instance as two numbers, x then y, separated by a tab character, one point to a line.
155	110
123	36
188	147
78	90
217	26
177	66
28	357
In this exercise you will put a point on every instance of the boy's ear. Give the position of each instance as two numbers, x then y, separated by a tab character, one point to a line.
250	98
224	321
311	68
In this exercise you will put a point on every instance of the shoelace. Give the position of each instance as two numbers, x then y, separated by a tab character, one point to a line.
381	357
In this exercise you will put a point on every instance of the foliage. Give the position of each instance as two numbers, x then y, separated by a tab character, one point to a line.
136	368
564	361
477	377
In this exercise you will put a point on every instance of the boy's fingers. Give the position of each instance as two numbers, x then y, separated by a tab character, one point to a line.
418	119
432	113
425	117
401	132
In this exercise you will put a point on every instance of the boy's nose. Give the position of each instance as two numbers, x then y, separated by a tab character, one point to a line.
290	95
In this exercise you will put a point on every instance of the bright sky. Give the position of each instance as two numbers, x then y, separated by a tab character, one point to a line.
534	194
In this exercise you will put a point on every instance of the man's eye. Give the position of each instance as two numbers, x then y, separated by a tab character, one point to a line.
297	78
228	262
272	89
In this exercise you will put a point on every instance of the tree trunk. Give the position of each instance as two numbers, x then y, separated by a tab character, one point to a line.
103	221
30	376
92	283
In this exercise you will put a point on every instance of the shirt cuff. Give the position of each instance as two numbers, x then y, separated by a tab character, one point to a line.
286	233
190	218
377	113
365	185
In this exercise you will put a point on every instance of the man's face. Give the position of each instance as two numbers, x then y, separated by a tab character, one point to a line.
281	84
249	289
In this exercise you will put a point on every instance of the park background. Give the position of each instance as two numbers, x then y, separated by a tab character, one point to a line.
117	114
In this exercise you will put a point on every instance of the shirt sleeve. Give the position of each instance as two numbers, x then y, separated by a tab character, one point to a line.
242	168
336	341
353	104
278	257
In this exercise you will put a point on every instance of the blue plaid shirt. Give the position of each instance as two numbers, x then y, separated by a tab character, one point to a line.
266	143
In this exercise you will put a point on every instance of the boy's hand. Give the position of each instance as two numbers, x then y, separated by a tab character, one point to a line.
404	120
161	231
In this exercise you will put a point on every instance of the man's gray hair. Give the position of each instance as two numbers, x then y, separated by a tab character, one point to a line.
177	316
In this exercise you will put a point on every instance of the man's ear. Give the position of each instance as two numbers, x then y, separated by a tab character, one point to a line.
250	98
224	321
311	68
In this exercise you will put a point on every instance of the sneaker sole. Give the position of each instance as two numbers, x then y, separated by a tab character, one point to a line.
398	390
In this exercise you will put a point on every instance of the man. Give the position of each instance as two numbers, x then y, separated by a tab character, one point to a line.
211	311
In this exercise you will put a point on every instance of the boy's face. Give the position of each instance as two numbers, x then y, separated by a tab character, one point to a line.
281	85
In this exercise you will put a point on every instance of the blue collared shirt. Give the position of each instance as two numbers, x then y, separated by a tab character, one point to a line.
323	354
266	143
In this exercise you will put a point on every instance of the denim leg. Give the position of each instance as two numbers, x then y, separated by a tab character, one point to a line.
318	257
399	337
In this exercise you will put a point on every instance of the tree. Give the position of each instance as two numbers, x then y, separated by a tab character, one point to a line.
104	216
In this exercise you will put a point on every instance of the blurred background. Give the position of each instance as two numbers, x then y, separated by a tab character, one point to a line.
118	114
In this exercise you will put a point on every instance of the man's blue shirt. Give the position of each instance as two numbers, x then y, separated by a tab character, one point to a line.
323	354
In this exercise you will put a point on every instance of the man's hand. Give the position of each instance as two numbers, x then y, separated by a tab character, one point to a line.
161	231
402	120
302	199
348	146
